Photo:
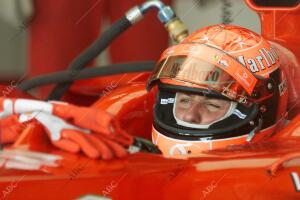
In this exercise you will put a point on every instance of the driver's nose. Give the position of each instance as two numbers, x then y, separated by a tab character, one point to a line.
193	114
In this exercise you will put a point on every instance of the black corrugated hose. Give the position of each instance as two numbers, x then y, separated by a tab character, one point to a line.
90	53
69	76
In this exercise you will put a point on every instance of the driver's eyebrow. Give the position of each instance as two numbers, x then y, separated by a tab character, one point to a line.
195	95
204	96
213	99
185	94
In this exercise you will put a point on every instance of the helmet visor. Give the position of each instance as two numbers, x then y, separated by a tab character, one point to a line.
205	67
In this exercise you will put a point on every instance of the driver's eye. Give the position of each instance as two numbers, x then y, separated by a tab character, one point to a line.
185	100
214	105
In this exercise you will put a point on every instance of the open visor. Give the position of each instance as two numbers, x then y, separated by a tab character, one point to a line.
202	66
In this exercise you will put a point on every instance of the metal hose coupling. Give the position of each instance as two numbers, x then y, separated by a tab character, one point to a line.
166	16
177	30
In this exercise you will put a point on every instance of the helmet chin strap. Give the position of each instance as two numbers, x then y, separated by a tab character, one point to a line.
180	122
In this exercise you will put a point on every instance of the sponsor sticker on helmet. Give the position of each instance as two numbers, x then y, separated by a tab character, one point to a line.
167	101
282	87
242	76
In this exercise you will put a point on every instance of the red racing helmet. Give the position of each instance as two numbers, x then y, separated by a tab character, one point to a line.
223	62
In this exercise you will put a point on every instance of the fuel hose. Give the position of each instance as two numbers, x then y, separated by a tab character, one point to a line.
70	76
165	15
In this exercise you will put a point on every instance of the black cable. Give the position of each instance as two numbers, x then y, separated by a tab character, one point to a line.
70	76
90	53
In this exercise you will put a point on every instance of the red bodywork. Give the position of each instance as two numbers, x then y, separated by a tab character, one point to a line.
264	170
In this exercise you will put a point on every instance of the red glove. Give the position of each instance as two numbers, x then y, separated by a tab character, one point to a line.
10	128
102	135
93	119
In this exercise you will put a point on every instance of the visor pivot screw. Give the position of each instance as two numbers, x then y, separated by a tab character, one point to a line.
270	86
251	123
255	94
263	109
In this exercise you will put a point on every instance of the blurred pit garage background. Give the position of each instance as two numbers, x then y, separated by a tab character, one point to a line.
42	36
